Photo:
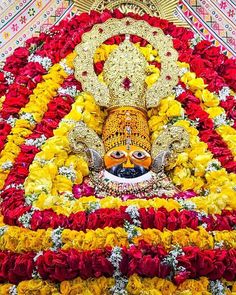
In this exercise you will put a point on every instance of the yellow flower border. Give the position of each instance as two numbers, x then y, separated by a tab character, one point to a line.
18	239
101	286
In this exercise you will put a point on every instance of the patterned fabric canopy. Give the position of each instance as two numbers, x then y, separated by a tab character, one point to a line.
214	20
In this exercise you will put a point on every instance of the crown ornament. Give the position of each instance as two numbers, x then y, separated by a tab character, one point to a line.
124	74
106	94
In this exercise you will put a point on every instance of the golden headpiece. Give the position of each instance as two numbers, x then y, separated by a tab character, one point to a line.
126	62
124	76
126	126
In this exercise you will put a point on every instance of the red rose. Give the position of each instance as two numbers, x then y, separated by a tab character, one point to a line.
199	65
23	268
188	219
181	277
21	52
78	221
101	265
201	47
146	217
148	266
216	84
160	220
173	220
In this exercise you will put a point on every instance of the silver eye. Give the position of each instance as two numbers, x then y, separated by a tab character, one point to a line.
117	154
139	155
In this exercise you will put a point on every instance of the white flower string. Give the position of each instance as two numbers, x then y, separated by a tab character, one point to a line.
172	261
13	290
120	281
25	219
68	172
29	117
35	273
37	142
72	91
7	165
45	62
66	68
3	229
217	288
56	238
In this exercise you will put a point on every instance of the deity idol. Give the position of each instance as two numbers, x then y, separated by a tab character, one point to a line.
124	161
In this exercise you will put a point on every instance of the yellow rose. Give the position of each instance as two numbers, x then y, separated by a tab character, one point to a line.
188	77
215	111
209	99
174	110
196	84
134	285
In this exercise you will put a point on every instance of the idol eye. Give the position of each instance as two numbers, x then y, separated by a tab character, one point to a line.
117	154
139	155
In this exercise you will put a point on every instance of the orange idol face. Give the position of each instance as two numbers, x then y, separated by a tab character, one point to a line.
127	161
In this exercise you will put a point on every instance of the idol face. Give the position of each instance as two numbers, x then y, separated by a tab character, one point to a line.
127	161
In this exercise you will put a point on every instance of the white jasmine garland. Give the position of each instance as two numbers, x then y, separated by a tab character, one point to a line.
66	68
45	62
13	290
134	214
42	161
194	123
186	204
222	120
72	91
120	281
68	172
9	77
68	195
37	142
13	185
204	225
196	39
171	259
201	214
223	93
183	71
29	117
7	165
35	274
25	219
217	288
219	245
3	229
131	230
178	90
56	238
29	199
11	121
93	206
213	165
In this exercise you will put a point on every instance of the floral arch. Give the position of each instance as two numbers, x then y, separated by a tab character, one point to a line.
57	236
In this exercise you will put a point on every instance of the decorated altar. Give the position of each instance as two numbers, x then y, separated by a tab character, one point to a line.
118	158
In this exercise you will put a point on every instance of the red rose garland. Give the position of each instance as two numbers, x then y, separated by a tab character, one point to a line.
144	260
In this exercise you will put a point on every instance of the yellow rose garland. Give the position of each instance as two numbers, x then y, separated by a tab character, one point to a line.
17	239
101	286
34	109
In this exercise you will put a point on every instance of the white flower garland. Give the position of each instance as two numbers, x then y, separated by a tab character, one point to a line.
120	281
45	62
